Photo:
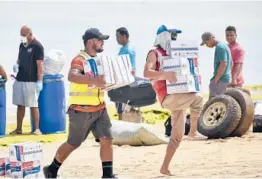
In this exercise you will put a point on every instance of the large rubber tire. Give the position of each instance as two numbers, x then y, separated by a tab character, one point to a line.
257	124
247	110
245	91
220	117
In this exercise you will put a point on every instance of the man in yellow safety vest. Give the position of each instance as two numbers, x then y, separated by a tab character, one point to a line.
87	111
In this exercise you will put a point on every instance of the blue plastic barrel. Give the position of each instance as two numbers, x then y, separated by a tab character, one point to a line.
2	108
52	105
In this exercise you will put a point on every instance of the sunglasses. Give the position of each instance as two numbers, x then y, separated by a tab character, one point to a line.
173	36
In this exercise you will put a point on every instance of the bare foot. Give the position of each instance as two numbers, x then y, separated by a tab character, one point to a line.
166	172
196	136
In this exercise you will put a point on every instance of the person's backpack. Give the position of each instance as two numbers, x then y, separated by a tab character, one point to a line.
168	126
138	94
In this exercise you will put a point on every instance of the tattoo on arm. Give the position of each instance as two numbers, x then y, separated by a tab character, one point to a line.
76	71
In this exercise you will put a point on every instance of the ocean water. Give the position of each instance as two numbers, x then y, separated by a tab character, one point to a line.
60	25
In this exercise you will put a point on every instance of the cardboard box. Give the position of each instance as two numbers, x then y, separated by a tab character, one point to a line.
102	66
88	72
7	167
30	169
105	67
116	70
183	48
122	71
2	166
194	66
185	84
182	66
27	151
179	65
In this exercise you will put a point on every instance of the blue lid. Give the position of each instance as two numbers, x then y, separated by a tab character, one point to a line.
163	28
52	76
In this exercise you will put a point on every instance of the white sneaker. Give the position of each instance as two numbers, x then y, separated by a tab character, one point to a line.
37	132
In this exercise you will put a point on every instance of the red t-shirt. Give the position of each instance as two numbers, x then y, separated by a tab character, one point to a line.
237	53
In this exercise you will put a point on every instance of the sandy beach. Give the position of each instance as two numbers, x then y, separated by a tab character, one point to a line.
222	158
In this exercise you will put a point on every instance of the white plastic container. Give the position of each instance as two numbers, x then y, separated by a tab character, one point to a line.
54	62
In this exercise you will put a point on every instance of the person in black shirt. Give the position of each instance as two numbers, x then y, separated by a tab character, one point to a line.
28	84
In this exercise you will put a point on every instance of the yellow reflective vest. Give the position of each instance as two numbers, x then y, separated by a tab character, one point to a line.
80	94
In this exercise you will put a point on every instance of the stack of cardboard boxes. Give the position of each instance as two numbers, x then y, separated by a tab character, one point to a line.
5	167
24	161
184	61
116	70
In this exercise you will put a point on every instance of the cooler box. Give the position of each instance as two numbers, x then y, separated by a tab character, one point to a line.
138	94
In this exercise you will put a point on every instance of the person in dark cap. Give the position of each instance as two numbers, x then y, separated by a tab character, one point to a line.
222	65
87	110
176	103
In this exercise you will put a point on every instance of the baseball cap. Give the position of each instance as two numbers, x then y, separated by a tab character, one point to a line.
94	33
163	28
205	37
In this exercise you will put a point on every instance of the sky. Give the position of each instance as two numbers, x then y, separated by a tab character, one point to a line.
61	24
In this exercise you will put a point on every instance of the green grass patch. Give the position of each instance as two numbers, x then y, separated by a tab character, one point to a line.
26	136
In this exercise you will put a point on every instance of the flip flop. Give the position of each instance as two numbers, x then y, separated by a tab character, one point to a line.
16	132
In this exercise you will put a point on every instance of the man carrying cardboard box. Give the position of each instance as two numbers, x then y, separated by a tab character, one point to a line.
222	65
176	103
87	110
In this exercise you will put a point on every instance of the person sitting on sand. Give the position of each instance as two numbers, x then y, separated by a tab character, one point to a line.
176	103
